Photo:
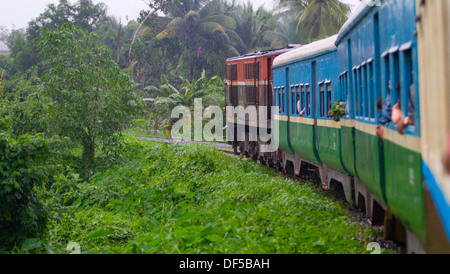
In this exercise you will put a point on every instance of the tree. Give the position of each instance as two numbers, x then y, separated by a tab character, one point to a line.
316	18
207	39
156	6
93	98
84	14
251	27
167	97
22	52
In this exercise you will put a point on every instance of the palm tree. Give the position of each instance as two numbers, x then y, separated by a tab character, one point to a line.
316	18
206	36
167	97
252	25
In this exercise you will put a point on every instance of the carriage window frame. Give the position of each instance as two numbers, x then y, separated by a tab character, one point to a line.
308	100
364	91
303	96
293	100
360	92
355	85
407	70
321	99
344	91
328	91
234	72
371	90
297	102
394	55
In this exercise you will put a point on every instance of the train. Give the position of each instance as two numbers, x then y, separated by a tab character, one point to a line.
387	148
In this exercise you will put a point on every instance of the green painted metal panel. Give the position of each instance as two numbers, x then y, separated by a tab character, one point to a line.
329	147
404	190
283	138
348	149
369	166
302	142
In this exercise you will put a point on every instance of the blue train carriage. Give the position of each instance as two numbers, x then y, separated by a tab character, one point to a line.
305	89
433	27
378	52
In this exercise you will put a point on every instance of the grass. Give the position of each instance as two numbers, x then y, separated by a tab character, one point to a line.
194	199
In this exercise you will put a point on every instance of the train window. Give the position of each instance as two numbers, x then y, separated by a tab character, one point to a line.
355	85
365	90
302	103
297	89
360	92
396	77
293	100
343	78
328	97
283	100
408	84
387	76
371	90
251	70
280	103
234	72
277	99
308	99
322	99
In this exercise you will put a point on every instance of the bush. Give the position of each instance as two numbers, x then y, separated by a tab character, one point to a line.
22	168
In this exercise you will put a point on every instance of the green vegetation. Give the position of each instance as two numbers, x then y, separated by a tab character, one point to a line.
193	199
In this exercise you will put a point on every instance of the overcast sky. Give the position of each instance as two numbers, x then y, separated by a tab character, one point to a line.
15	14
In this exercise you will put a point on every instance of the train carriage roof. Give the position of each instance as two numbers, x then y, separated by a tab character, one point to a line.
354	18
264	53
308	50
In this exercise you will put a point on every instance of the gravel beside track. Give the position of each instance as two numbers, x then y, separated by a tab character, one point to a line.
218	145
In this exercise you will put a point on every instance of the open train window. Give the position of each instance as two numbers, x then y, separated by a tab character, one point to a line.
360	92
355	85
387	75
308	100
283	100
302	92
343	84
408	91
277	99
365	90
297	90
371	89
322	99
293	100
397	86
328	88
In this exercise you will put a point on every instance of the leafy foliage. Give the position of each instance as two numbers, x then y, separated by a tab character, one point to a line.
194	199
22	168
337	111
92	98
